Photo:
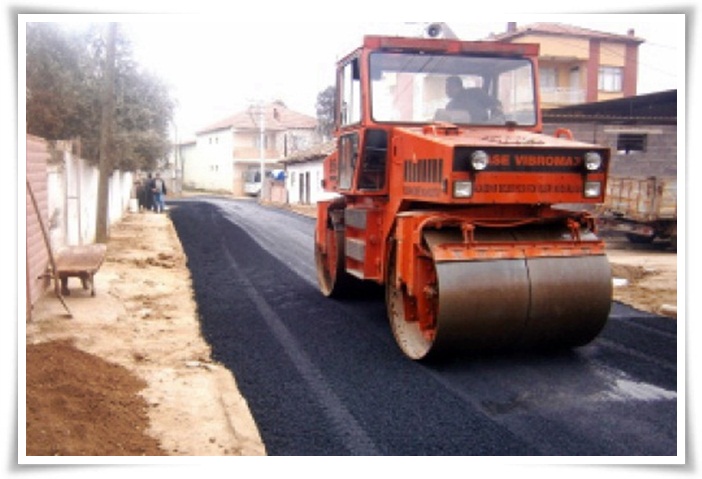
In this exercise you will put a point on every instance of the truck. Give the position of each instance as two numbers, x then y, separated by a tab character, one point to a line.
645	209
445	191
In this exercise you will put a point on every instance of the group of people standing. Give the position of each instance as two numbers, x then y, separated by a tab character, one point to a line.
151	193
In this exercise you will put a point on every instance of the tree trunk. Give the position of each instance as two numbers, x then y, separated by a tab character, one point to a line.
106	127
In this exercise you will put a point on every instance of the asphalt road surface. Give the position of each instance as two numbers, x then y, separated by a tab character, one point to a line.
324	377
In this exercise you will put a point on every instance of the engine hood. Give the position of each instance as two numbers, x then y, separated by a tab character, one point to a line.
452	135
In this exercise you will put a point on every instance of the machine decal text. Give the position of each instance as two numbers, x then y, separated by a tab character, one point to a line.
547	161
422	191
525	188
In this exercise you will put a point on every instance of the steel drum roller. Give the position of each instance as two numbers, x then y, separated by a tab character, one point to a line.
540	302
493	304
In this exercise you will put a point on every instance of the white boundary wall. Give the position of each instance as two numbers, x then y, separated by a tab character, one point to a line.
72	199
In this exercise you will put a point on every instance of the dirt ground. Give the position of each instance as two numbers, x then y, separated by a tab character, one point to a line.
645	277
130	375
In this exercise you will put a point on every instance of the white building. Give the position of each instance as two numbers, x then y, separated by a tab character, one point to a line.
230	152
303	174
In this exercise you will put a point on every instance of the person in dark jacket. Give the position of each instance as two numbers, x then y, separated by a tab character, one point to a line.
481	106
159	192
141	194
149	193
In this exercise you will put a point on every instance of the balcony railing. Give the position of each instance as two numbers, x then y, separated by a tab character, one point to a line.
245	153
562	96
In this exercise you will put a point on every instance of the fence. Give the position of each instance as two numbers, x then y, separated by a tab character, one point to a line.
67	190
73	198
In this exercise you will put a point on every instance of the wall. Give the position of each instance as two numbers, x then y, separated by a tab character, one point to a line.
277	192
612	54
187	160
66	189
295	140
73	197
658	159
36	253
559	46
294	172
211	165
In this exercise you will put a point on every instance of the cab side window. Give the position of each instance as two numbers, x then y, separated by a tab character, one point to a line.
348	156
350	93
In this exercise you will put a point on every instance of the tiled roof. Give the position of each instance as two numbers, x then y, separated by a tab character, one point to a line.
562	30
277	117
315	152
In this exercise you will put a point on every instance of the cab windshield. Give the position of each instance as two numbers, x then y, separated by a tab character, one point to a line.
473	90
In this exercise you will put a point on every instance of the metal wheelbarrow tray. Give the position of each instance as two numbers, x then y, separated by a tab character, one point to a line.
80	262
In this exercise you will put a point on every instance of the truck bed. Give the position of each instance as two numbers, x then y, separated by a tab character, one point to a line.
641	199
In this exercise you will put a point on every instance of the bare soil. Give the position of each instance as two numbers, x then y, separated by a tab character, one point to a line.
645	277
129	373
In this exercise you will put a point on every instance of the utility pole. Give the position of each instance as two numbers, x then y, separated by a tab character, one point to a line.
257	113
177	163
262	139
106	124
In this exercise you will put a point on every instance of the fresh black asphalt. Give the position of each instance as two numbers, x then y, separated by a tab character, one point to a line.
324	377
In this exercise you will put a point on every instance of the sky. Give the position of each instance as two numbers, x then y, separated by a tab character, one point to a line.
218	64
219	67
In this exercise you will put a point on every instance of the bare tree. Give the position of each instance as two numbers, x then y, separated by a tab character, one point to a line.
325	112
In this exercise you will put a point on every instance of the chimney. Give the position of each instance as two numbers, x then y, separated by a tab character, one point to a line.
511	27
630	32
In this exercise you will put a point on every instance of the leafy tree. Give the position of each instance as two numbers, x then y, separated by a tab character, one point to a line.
65	69
325	112
59	96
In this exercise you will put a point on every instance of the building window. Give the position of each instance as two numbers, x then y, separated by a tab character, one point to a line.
610	79
547	77
631	142
257	141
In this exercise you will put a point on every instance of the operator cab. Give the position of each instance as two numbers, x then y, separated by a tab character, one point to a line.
466	89
393	82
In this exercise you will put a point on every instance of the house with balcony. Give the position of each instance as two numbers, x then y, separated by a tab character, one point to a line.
579	65
229	153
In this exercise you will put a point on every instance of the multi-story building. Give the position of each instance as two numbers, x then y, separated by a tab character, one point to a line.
229	153
579	65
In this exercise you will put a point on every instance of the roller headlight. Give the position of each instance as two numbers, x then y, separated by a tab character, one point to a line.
462	189
593	161
593	189
479	160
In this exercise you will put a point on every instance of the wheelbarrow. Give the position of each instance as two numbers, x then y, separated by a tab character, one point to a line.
80	262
